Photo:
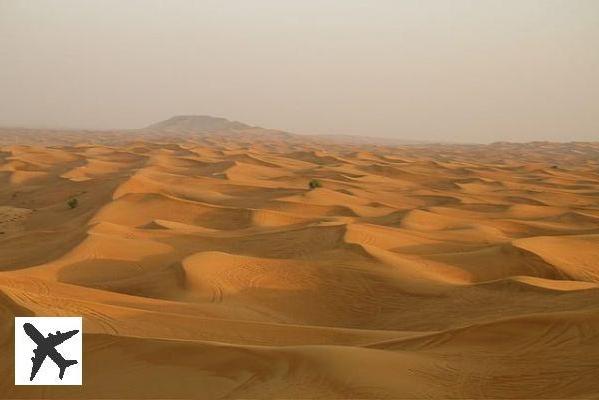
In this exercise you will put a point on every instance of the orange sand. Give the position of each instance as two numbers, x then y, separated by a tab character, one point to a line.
204	267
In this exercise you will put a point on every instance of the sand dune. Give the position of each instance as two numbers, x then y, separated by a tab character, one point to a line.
205	267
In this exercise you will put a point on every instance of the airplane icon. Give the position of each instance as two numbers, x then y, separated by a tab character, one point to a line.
46	347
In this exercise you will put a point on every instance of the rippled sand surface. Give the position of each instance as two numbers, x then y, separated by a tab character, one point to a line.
205	267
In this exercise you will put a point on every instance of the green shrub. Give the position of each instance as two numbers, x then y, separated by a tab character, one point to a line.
72	203
314	183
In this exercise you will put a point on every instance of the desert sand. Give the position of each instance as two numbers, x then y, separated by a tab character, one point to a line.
205	267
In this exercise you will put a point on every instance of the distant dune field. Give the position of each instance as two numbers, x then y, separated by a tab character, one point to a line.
205	267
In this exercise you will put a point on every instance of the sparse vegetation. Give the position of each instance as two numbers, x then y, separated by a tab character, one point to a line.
72	203
314	183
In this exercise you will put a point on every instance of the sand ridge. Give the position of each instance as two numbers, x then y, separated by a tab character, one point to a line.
204	265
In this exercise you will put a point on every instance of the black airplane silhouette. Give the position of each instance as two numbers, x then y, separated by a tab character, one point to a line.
46	347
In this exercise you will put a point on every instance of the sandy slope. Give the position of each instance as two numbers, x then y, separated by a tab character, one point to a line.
205	267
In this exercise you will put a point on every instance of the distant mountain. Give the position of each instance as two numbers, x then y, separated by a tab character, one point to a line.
194	128
197	124
199	128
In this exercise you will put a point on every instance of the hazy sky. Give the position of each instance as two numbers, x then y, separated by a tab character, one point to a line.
457	70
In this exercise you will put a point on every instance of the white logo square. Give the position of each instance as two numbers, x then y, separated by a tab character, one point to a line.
48	350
